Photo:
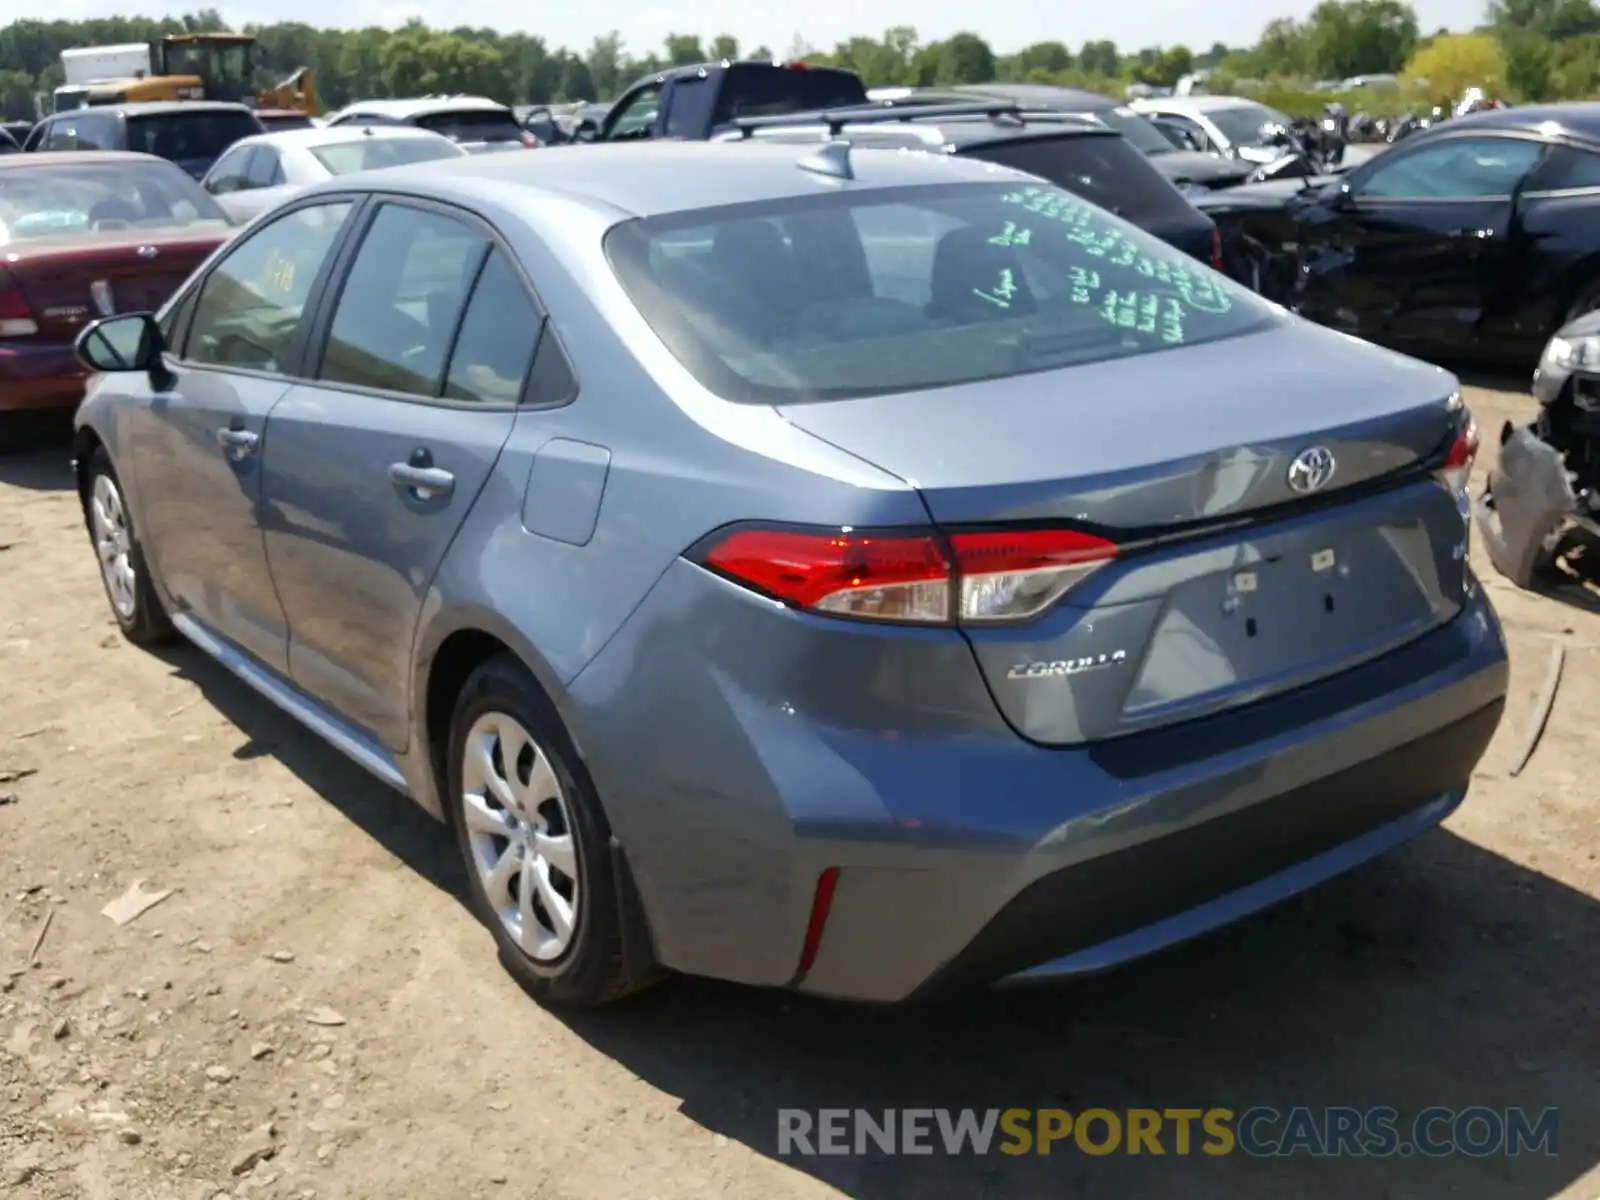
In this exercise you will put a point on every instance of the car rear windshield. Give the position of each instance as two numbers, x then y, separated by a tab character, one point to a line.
473	126
278	122
1241	124
754	90
183	137
46	200
862	293
1106	170
1138	130
372	153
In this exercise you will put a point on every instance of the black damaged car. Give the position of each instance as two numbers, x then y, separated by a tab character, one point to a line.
1473	240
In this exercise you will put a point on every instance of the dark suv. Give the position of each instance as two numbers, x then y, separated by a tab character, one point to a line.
1077	154
191	133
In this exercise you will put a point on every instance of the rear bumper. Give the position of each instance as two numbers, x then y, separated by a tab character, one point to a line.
39	377
965	854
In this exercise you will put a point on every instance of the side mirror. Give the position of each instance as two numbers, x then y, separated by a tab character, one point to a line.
130	342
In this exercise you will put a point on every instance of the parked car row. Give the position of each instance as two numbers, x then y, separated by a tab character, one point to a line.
811	565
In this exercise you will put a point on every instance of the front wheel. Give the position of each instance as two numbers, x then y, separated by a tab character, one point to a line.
123	569
535	841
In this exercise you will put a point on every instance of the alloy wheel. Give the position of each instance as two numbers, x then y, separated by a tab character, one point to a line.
114	544
521	834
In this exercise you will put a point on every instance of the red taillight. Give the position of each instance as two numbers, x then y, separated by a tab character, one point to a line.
968	578
1216	249
1457	468
16	317
798	65
531	142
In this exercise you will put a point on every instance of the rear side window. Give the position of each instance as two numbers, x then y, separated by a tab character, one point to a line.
1565	168
183	137
753	90
1103	170
853	294
497	339
473	126
402	301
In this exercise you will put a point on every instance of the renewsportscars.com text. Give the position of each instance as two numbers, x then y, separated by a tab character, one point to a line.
1259	1132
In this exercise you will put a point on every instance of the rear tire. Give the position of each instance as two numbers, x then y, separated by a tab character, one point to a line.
123	570
535	843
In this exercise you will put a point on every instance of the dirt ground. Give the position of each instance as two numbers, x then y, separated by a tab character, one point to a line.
315	970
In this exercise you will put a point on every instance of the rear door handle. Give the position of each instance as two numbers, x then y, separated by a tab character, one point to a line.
238	442
424	483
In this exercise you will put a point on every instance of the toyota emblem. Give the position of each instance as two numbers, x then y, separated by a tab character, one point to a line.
148	252
1311	470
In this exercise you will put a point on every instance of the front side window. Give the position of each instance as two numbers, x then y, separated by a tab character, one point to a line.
637	119
1454	169
251	303
402	301
41	199
842	295
231	172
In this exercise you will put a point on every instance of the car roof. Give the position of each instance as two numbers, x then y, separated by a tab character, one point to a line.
656	178
696	69
1199	104
1579	120
336	135
1042	95
156	108
421	106
952	133
79	158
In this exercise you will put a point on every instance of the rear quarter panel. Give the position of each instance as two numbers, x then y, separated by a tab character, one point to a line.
1557	255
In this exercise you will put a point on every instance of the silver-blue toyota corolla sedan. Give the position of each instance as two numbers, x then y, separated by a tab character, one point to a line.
861	572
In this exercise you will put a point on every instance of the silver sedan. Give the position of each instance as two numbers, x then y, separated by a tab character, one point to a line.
256	173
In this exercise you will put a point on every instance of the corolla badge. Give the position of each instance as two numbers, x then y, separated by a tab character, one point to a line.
104	302
1311	470
1069	666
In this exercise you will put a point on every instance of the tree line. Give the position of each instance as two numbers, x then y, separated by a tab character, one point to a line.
1525	49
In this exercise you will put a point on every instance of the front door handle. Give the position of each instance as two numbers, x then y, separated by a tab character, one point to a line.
238	442
424	483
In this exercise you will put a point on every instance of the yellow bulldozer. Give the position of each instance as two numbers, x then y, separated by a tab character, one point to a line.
180	66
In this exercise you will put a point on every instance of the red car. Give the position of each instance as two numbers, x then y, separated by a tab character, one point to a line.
84	235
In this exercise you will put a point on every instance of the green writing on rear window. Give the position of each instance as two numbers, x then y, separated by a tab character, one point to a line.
1127	287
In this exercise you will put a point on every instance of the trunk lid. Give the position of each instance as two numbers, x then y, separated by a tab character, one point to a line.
1232	585
71	280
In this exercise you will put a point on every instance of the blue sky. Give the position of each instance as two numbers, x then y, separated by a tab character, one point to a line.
1006	24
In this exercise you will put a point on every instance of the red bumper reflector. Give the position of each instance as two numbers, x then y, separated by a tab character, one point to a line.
820	904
